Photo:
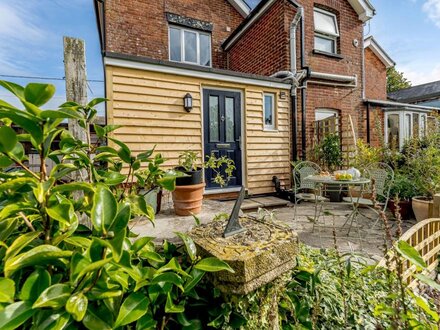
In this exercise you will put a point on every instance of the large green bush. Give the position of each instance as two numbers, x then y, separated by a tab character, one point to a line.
56	272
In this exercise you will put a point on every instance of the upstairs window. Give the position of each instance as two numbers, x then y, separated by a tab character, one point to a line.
189	46
326	31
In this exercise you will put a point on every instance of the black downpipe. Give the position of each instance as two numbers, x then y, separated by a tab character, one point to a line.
293	100
368	122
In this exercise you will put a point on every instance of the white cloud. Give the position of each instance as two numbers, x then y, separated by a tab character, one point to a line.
418	75
432	8
20	30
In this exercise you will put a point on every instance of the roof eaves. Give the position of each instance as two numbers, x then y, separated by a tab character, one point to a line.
371	43
258	11
400	104
240	6
364	9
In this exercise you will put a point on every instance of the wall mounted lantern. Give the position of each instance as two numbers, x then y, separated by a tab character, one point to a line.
188	102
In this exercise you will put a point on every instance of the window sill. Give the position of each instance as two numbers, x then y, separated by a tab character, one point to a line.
270	130
320	52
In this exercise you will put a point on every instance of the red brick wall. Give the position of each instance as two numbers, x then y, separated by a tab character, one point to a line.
375	77
139	27
264	48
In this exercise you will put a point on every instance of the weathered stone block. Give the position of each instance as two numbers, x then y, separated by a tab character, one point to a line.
260	254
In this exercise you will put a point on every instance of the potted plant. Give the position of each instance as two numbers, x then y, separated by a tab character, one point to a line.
422	163
329	155
188	193
405	190
153	179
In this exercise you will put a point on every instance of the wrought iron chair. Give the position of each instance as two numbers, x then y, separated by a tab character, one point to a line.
300	172
382	178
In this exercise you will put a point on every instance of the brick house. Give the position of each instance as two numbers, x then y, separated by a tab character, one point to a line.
264	84
398	119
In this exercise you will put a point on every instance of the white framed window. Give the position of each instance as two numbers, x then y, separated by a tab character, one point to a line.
269	111
326	123
326	31
400	125
189	46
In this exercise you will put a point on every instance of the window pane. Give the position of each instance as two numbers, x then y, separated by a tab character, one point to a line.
324	44
407	124
205	50
325	23
190	47
393	131
415	125
230	122
423	125
175	45
213	119
268	110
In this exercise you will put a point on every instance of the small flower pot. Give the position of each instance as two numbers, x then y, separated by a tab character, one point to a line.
188	199
421	207
194	177
406	211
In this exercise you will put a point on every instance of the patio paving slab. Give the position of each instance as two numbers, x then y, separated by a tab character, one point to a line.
364	239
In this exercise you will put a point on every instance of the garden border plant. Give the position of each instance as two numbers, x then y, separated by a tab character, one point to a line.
56	273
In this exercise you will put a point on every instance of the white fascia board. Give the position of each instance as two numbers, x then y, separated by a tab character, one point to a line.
249	24
363	8
241	7
371	43
193	73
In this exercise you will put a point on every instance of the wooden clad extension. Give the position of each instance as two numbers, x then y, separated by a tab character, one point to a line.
150	106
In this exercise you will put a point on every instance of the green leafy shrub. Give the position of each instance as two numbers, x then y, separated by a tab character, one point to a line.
56	272
328	153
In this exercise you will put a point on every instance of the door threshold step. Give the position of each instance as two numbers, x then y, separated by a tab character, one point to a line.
263	202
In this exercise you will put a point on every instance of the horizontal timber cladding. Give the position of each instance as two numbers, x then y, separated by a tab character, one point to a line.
149	105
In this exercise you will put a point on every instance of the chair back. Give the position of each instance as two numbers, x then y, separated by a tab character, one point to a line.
382	175
303	170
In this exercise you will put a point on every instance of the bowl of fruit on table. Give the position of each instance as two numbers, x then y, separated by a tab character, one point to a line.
343	177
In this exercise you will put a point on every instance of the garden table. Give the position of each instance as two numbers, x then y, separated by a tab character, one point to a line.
321	181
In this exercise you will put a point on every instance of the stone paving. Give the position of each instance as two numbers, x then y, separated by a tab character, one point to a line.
362	239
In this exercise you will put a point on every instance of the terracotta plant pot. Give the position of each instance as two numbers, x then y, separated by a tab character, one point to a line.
421	206
188	199
406	212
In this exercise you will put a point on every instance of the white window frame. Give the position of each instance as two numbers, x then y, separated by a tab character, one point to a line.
403	130
273	126
326	35
182	45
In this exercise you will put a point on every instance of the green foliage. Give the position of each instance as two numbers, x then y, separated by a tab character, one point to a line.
218	166
421	164
222	167
189	160
403	187
396	81
57	272
328	153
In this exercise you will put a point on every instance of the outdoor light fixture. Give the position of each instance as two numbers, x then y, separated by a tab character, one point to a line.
188	102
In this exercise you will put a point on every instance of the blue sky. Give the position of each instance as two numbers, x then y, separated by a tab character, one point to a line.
31	39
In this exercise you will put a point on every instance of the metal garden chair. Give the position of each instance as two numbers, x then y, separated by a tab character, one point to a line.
382	177
300	172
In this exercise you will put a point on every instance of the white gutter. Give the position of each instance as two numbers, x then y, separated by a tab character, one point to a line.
404	105
193	73
293	26
333	77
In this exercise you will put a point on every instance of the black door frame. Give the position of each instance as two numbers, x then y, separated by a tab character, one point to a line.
239	131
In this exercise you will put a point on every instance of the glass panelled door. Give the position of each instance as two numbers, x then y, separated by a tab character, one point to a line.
222	131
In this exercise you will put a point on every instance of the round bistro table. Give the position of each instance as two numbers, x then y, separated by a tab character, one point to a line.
322	181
